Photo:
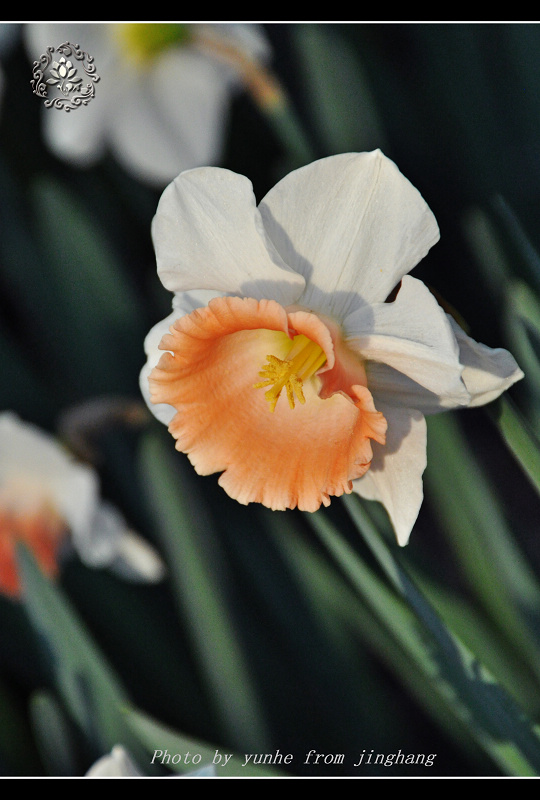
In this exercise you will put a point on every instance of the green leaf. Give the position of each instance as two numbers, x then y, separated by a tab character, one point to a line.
85	267
519	437
88	687
99	312
500	727
496	569
200	580
523	330
54	735
286	125
521	252
24	279
481	638
183	754
337	93
349	618
486	246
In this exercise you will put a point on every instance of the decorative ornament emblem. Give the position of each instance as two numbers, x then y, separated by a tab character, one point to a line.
58	82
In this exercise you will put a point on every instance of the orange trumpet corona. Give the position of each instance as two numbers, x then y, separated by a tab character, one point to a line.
261	443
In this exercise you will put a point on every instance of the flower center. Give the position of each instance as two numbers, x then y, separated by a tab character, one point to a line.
142	41
302	362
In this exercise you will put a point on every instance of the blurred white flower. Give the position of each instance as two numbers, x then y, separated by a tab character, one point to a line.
162	101
48	500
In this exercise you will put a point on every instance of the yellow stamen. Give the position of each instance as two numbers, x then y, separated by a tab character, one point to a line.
302	362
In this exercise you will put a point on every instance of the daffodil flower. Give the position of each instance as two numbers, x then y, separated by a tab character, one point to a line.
301	357
163	97
50	502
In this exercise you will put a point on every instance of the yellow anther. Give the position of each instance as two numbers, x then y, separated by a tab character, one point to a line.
302	362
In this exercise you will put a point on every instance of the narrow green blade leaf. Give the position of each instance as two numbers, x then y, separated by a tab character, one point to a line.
90	691
500	726
496	568
200	582
93	298
54	735
519	437
183	754
522	318
350	618
337	91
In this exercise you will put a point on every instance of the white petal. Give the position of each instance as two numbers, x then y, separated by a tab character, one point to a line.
97	543
488	372
395	475
163	412
135	560
32	458
116	764
208	234
246	37
413	336
391	387
77	137
352	224
208	771
109	542
171	117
